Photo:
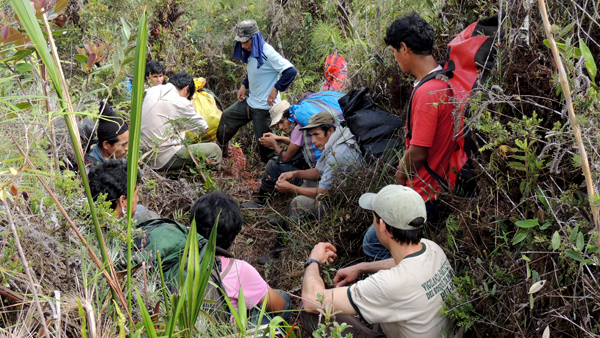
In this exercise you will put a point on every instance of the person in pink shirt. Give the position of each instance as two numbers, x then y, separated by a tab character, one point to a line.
236	274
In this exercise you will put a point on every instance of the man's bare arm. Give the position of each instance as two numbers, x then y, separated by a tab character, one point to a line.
313	284
412	161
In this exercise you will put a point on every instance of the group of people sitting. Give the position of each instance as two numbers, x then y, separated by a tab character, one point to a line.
409	275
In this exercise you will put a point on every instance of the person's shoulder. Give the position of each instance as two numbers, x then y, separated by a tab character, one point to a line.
270	52
268	49
432	247
433	85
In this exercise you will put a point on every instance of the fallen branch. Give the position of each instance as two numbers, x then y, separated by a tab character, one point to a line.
564	83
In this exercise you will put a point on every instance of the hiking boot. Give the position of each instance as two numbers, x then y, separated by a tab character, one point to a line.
271	256
256	204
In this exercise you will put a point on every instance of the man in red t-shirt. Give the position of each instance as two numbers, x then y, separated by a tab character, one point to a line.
431	123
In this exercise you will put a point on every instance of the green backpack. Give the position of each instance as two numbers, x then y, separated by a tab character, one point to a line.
169	238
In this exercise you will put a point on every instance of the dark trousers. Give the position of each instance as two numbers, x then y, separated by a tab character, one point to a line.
238	115
309	323
273	170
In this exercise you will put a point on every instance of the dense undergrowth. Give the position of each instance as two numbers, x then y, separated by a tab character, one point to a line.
530	222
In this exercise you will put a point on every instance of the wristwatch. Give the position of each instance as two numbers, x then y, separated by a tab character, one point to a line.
310	261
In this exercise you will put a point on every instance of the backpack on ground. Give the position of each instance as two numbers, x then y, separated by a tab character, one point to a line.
377	131
470	58
169	238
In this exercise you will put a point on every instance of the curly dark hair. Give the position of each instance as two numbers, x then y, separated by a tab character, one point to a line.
154	67
414	31
180	80
218	204
110	178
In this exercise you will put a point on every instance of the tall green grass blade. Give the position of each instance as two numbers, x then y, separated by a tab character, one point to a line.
208	260
233	310
263	309
30	23
243	324
162	282
146	319
134	135
83	321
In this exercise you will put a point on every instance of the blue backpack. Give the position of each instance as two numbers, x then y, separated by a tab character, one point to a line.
311	105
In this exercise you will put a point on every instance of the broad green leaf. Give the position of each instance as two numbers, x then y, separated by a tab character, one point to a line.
128	60
19	55
519	143
580	242
521	235
81	58
23	67
590	64
126	29
573	235
529	223
24	105
574	255
517	165
547	223
555	241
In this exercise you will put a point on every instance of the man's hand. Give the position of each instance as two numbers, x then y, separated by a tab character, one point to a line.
268	142
284	187
346	276
241	94
401	176
272	97
270	135
289	176
323	252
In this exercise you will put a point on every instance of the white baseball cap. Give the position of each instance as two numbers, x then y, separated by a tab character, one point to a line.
397	205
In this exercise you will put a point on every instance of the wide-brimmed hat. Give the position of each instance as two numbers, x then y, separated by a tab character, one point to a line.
318	120
245	29
277	111
397	205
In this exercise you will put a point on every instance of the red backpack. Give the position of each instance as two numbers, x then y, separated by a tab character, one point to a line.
470	58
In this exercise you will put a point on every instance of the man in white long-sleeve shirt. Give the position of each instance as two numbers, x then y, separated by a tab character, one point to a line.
167	113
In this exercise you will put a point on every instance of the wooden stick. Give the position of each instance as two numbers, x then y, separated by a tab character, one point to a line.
564	83
25	264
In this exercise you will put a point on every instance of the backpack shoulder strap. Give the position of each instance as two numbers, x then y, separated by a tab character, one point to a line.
425	79
229	266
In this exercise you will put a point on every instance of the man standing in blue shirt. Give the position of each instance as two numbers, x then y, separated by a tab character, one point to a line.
268	74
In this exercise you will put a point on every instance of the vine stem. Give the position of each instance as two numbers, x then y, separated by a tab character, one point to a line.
564	83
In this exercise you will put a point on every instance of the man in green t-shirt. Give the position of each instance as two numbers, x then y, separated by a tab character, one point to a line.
405	293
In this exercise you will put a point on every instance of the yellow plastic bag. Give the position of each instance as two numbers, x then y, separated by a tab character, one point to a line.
205	105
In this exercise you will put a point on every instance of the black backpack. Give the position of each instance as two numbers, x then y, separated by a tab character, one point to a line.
377	132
